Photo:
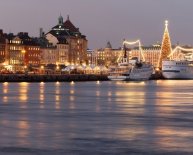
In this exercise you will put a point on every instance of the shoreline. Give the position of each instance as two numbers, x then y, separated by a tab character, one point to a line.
51	78
59	77
13	78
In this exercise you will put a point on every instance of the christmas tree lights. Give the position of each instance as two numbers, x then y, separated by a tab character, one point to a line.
166	47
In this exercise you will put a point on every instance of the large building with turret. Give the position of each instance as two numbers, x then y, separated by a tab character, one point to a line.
71	44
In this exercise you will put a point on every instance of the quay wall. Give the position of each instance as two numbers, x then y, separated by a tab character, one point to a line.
60	77
51	78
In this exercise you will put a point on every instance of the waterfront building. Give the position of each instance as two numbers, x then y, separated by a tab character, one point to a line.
23	51
150	53
108	56
3	51
63	52
72	45
49	53
16	50
32	50
91	56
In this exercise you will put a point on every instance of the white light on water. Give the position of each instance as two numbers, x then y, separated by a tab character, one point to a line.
57	82
72	83
5	83
42	83
98	82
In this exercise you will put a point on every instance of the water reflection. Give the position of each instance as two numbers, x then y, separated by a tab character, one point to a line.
5	91
57	96
23	94
109	96
42	95
23	132
120	116
98	93
5	99
175	139
72	102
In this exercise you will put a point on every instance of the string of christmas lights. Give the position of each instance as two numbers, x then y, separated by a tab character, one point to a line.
140	47
182	49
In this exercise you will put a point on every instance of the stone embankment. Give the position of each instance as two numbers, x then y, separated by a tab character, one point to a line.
51	78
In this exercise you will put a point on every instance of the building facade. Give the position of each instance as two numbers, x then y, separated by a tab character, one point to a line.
49	52
109	56
71	44
63	53
3	50
151	54
22	51
105	56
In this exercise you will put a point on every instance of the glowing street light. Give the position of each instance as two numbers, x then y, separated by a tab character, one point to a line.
42	67
23	51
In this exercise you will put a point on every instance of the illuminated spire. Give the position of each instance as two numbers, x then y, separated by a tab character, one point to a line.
60	20
166	47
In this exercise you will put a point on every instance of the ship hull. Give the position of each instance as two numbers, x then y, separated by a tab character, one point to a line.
177	70
118	78
143	73
136	74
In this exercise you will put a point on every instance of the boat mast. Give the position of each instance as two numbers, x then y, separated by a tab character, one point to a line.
125	51
125	59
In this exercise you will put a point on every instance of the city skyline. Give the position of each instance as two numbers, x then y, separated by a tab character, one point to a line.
126	19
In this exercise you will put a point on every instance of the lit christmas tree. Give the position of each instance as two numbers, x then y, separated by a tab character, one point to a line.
166	47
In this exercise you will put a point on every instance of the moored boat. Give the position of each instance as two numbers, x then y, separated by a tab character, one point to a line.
120	72
141	71
182	69
133	69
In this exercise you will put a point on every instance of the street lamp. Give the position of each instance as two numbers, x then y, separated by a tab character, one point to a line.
23	51
42	67
57	67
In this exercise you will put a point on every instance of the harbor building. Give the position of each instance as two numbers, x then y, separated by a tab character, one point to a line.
71	44
109	56
3	51
150	53
106	56
49	54
92	57
22	51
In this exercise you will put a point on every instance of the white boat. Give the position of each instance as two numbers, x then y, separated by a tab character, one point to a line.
120	72
141	71
133	69
172	69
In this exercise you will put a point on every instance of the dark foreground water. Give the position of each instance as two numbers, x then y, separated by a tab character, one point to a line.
110	118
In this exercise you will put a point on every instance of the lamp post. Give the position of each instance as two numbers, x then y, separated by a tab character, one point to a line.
42	69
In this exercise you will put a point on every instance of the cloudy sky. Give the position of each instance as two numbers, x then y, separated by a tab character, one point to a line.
103	20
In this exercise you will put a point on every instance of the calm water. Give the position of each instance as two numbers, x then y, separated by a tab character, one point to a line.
153	117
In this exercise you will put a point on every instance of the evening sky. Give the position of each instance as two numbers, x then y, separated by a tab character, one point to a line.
103	20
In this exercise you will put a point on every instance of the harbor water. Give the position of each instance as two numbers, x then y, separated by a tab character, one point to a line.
83	118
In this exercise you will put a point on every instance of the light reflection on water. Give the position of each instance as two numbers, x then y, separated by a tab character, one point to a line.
147	117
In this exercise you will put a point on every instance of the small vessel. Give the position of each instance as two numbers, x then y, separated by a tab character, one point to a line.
133	69
182	69
141	71
120	72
